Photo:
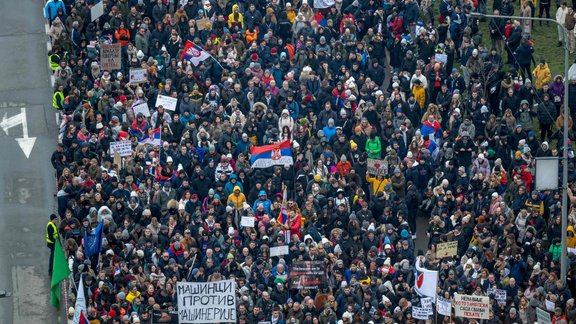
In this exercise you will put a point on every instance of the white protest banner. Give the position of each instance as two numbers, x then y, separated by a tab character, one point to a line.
377	167
168	103
97	10
206	302
448	249
124	148
246	221
442	58
141	108
138	75
443	306
111	56
550	305
471	306
279	250
543	316
322	4
427	304
419	313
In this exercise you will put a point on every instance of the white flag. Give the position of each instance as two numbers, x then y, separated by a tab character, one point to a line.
426	281
80	306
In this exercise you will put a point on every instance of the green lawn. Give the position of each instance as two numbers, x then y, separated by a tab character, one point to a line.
545	40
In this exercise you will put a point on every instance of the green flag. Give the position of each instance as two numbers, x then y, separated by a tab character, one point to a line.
60	272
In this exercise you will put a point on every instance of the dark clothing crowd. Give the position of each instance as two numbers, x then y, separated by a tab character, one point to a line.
397	113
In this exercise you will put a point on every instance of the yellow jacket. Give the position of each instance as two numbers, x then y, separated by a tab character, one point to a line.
571	240
237	200
232	19
291	15
377	185
419	94
541	75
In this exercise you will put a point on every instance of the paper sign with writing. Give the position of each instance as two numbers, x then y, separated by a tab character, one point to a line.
111	56
427	304
141	108
247	221
448	249
124	148
469	306
138	75
419	313
279	250
543	316
168	103
376	167
443	306
97	10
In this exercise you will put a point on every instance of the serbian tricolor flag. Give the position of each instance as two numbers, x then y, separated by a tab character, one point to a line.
153	137
194	53
426	281
283	216
272	154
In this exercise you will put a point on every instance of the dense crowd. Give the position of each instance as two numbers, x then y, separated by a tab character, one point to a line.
452	118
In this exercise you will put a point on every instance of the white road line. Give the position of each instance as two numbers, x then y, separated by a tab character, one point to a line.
52	80
48	45
46	28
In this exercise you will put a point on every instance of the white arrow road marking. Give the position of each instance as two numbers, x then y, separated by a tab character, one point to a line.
26	143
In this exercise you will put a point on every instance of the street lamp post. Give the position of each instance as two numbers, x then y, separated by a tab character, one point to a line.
563	257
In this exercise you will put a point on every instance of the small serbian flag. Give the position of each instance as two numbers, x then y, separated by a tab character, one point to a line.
194	53
272	154
153	137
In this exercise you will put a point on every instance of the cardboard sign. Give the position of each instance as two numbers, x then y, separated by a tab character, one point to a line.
500	296
206	302
168	103
443	306
111	57
469	306
307	274
201	23
550	305
124	148
141	108
279	250
138	75
442	58
246	221
420	313
377	167
543	316
448	249
97	10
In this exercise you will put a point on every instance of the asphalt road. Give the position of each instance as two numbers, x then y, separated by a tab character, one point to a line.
26	184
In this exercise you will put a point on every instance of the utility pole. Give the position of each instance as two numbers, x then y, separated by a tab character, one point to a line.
563	256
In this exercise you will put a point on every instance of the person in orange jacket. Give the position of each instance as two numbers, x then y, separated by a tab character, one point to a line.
123	35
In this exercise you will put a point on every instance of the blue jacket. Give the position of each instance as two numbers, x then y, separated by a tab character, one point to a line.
265	202
51	9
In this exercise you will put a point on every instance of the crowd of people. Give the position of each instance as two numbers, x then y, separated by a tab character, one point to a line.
395	111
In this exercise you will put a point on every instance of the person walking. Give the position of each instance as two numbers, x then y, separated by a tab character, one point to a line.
51	237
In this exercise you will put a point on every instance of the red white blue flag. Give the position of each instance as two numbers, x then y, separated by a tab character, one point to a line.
273	154
153	137
194	53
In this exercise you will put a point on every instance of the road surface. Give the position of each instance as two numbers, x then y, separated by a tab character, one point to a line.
26	184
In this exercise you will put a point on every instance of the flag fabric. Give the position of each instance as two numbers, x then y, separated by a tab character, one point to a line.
93	240
153	137
194	53
80	307
273	154
283	216
60	272
426	281
83	319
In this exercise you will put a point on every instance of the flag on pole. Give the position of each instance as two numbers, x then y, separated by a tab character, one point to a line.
194	53
60	272
153	137
80	307
272	154
426	281
93	240
283	216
